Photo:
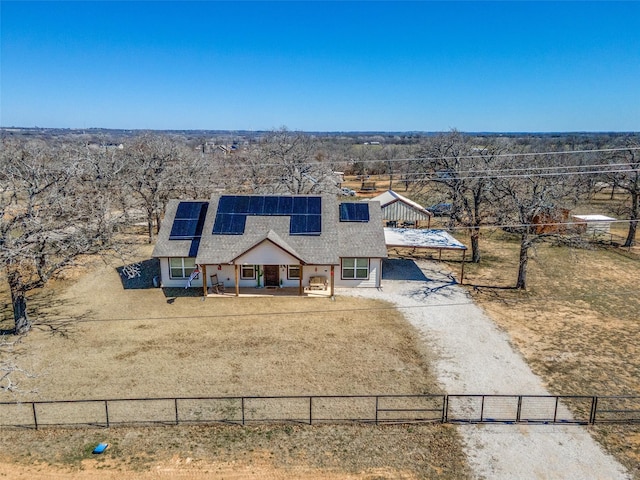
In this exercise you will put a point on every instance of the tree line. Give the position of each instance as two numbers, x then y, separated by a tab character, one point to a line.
62	198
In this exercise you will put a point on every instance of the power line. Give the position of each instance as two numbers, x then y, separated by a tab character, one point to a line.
464	157
500	170
577	223
434	178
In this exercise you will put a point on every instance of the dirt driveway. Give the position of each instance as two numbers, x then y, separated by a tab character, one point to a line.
475	357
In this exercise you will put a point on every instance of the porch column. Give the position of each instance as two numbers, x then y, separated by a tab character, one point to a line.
300	288
204	280
332	279
237	267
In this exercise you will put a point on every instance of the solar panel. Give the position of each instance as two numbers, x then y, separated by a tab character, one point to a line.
270	205
188	210
242	205
300	205
183	229
314	205
305	212
285	205
189	220
354	212
314	224
229	224
298	225
235	205
226	203
305	225
238	223
256	205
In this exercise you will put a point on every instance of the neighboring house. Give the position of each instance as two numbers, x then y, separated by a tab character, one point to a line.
398	210
269	241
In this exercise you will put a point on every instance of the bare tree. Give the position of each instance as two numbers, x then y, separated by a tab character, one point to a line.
50	214
627	178
462	166
289	162
154	175
533	204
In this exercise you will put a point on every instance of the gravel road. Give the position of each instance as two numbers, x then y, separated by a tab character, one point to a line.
474	356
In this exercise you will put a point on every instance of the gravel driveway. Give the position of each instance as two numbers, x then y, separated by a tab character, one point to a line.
474	356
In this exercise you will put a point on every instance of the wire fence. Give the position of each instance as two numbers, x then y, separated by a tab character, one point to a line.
323	409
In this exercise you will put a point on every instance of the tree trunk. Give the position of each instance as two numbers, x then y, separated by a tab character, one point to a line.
22	324
475	245
631	235
150	228
633	224
158	220
521	283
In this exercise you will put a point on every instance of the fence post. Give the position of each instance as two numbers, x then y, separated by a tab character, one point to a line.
242	408
35	418
482	409
555	410
519	408
106	411
445	409
376	409
594	409
310	408
175	402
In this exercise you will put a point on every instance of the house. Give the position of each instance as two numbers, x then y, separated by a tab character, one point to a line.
269	241
398	210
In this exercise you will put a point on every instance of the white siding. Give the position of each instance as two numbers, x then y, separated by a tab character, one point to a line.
375	274
266	253
167	281
400	211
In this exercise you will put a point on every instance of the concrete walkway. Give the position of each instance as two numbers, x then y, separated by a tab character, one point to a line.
475	357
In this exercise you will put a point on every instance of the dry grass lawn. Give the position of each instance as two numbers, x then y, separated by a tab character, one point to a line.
94	339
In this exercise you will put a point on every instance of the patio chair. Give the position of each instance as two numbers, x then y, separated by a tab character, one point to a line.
216	286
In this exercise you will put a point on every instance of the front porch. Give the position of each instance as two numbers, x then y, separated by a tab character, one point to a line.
268	292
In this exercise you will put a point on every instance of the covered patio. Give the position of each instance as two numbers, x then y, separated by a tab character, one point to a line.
424	239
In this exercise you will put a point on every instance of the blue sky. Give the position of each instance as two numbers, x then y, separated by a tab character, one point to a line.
322	66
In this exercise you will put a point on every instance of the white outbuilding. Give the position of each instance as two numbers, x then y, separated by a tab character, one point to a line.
398	210
594	225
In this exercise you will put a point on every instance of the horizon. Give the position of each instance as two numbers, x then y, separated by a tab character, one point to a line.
482	67
328	132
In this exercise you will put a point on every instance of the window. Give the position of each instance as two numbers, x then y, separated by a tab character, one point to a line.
181	267
293	272
355	268
248	272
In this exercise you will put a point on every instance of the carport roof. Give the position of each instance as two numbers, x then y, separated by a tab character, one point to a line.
419	238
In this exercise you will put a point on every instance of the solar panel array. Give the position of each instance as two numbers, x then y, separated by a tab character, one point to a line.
189	220
233	210
354	212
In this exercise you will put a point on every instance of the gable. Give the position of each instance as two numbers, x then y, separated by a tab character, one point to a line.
267	253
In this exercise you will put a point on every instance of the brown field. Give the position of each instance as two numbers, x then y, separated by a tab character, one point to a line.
93	339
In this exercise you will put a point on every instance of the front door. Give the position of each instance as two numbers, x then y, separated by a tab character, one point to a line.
271	275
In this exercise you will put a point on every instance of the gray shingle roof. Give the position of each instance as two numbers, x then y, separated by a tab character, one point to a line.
338	239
